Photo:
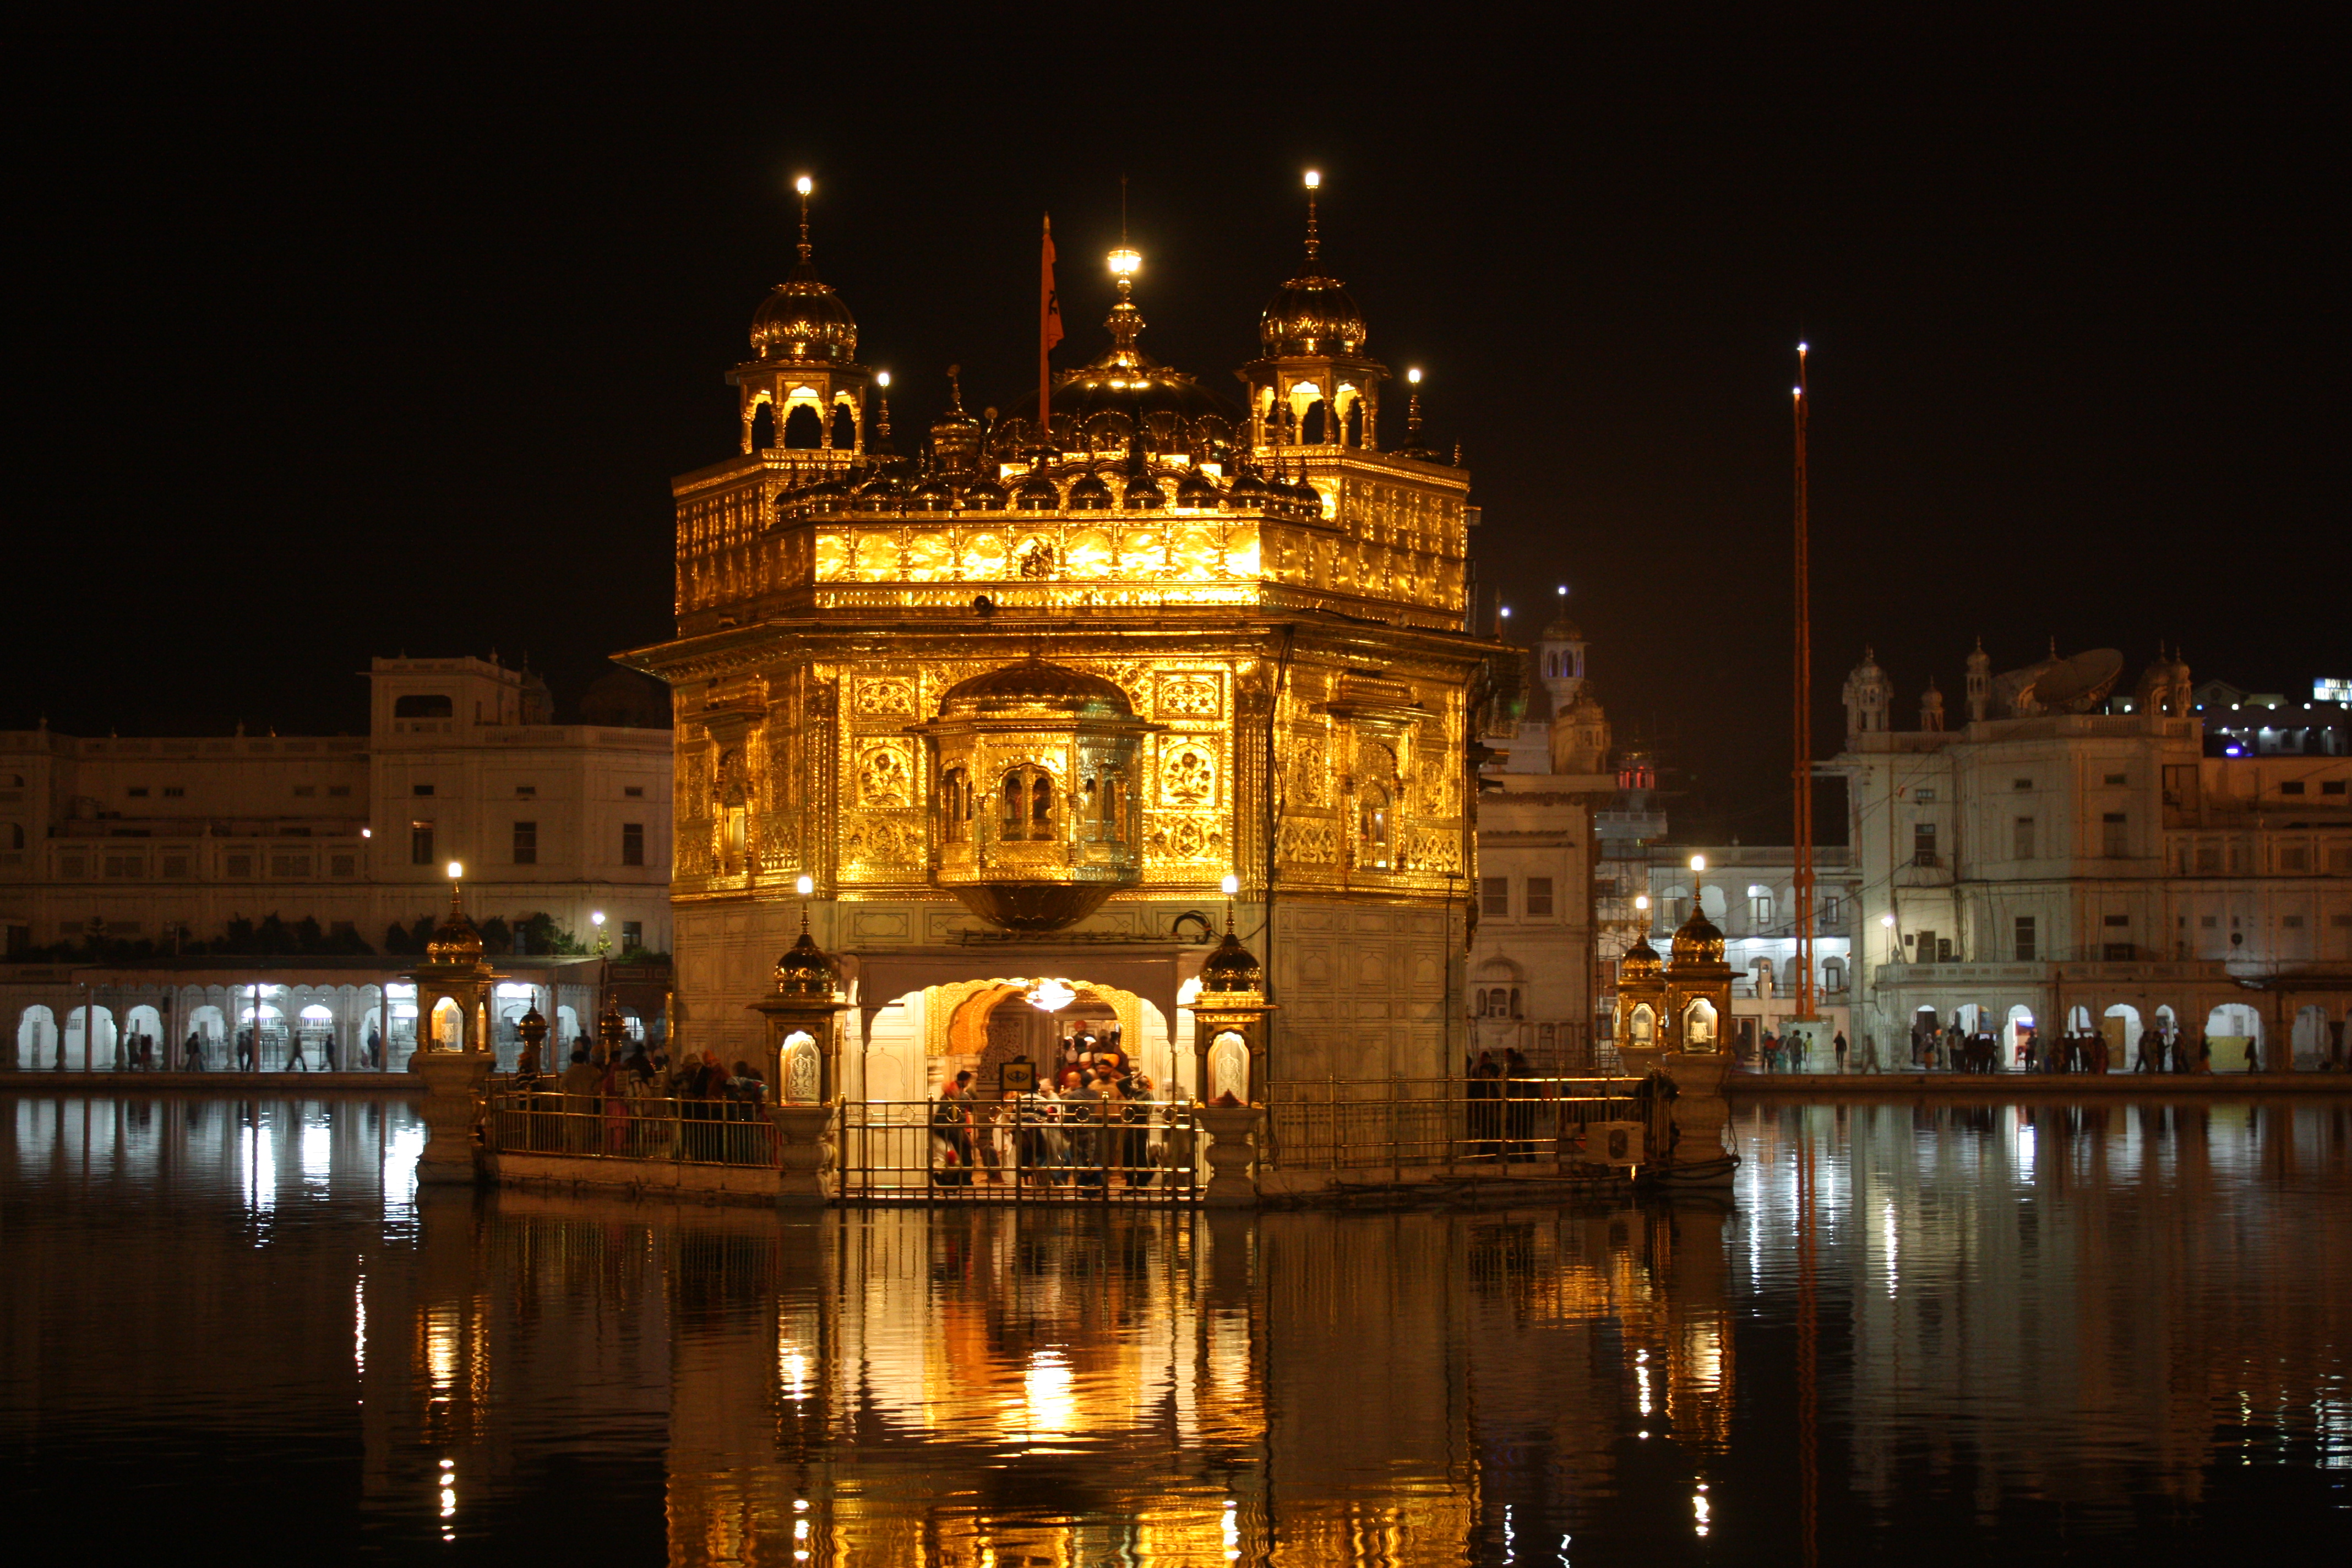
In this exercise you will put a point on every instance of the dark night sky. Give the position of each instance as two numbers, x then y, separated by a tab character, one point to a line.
305	318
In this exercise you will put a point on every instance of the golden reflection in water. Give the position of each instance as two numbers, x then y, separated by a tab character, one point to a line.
1024	1387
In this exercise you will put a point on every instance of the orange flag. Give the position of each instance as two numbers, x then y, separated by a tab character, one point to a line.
1050	307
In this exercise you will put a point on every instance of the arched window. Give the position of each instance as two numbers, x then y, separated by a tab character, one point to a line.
1373	826
804	431
1015	825
1028	797
422	705
845	426
763	426
955	805
1642	1027
1113	806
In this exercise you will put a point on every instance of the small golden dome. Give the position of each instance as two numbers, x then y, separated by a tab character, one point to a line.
1033	683
804	971
802	320
455	939
1639	963
1698	942
1311	315
1232	970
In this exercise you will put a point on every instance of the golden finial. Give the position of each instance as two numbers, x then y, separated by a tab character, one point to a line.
882	411
1413	411
805	186
1314	244
955	388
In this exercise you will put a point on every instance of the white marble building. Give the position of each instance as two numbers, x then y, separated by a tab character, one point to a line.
2068	858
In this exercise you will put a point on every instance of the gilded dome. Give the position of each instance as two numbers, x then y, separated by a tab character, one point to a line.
804	971
1639	963
1033	683
455	939
804	320
1232	970
1697	943
1311	315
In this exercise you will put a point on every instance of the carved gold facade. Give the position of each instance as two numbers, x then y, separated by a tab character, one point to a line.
1271	608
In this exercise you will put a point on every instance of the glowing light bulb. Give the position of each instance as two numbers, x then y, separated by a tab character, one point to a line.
1699	862
1232	884
1563	590
1640	901
1125	262
1413	376
596	919
1800	348
882	379
804	185
456	869
1314	179
805	886
1886	920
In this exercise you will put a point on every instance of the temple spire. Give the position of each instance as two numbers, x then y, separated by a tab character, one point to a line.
805	186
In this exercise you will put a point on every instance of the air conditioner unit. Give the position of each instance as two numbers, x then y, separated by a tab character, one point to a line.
1615	1142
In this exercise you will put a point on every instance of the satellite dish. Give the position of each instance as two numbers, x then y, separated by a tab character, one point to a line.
2077	684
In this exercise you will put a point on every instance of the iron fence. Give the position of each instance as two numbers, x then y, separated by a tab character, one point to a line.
596	1126
1023	1149
1340	1125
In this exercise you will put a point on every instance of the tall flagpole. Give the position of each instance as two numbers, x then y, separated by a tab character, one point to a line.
1805	716
1049	333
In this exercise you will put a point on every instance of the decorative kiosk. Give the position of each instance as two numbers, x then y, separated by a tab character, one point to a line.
1229	1031
452	1043
803	1049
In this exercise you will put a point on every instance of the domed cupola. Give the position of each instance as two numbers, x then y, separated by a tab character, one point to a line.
1697	943
1231	970
455	939
1036	812
1312	315
1312	384
804	367
805	970
802	320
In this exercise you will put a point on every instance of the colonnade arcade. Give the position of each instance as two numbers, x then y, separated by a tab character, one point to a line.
341	1025
2315	1029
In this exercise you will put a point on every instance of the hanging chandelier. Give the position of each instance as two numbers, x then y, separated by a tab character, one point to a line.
1051	995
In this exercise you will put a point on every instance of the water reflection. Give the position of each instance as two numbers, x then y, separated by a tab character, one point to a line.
1972	1328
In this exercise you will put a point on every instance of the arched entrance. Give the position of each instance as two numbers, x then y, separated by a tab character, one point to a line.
2121	1026
2229	1028
210	1027
37	1038
2016	1032
2310	1040
100	1051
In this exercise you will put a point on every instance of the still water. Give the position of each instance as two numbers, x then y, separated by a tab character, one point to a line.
233	1328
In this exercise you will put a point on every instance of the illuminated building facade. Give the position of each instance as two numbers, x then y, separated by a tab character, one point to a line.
2069	860
1017	704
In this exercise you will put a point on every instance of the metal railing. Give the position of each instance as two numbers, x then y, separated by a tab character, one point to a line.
1459	1124
1027	1148
598	1127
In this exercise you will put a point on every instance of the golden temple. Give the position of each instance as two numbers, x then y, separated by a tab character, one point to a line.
1017	704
